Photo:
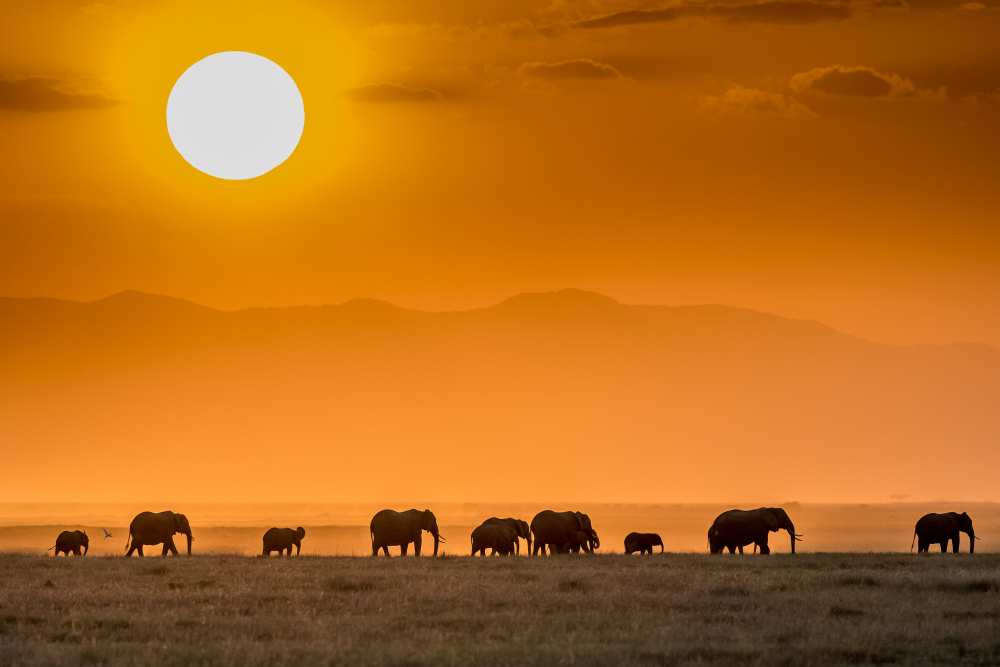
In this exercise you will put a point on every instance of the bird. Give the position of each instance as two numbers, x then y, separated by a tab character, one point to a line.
107	533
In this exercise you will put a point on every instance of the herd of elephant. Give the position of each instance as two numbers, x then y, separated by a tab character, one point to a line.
548	533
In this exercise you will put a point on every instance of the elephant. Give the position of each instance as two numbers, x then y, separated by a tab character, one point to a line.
282	539
582	541
736	529
148	528
642	543
390	528
941	529
500	538
520	528
562	532
70	541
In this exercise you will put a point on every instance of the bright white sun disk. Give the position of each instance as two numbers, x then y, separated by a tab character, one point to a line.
235	115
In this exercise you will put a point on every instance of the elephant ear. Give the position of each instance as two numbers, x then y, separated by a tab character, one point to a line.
579	520
772	520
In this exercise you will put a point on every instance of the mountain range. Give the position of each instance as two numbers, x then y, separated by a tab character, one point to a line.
567	394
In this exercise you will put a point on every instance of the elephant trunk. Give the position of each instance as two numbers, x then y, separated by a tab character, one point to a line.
791	536
86	548
188	535
972	541
437	538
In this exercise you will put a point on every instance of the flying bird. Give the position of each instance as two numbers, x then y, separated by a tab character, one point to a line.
107	533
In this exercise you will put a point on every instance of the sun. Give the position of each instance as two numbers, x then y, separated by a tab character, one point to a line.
235	115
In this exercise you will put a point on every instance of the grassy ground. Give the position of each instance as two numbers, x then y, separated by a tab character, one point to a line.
673	609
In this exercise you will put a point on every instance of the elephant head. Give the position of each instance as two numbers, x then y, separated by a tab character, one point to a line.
523	531
583	523
428	522
300	532
182	526
84	541
777	519
965	525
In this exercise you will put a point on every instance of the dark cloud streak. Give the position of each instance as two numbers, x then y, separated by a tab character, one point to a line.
778	12
37	94
394	92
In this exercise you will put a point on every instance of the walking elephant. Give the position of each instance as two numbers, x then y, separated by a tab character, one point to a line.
736	529
941	529
520	528
563	531
282	540
71	541
149	528
582	541
500	538
642	543
390	528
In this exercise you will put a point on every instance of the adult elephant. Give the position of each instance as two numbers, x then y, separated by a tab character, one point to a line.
499	538
149	528
642	543
390	528
71	541
736	529
520	528
282	540
563	531
941	529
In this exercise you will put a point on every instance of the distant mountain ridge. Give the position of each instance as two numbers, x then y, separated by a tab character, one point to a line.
571	389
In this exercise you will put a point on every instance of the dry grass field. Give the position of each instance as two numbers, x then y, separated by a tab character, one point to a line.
674	609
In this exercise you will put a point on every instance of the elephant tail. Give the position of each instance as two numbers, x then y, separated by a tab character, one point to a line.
128	539
913	540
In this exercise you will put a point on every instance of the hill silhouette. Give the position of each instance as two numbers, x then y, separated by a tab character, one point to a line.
568	394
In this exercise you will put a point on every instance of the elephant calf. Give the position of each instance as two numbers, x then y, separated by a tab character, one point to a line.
642	543
282	540
499	538
70	541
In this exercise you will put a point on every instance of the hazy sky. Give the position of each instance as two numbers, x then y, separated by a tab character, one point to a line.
835	161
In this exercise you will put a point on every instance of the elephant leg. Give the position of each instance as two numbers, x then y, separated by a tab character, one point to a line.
923	546
403	548
169	547
385	549
129	553
954	544
944	547
165	550
141	554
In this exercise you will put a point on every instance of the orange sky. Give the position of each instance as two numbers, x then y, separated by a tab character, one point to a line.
458	152
828	161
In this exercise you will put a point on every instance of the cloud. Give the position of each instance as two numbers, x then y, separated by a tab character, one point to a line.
42	94
852	82
570	69
637	17
741	100
791	12
781	12
394	92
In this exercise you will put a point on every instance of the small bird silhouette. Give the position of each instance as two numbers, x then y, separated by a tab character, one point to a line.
107	533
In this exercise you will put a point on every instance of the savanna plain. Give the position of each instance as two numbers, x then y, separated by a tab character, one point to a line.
604	609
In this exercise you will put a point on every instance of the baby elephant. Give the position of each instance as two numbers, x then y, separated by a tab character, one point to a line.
282	539
500	538
643	543
71	541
